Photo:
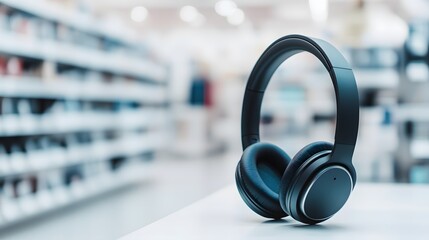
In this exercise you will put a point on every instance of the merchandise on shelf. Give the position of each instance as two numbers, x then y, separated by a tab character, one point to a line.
79	109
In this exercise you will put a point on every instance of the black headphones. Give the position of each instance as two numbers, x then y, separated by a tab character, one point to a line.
318	181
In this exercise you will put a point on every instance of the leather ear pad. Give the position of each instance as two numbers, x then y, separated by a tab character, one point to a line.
258	178
300	158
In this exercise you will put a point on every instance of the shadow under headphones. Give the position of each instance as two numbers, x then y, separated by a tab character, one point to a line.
318	181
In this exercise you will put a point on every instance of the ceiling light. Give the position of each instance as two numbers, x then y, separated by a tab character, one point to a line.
138	14
319	10
189	14
225	7
236	18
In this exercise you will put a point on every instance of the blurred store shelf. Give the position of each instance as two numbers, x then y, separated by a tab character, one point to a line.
377	78
58	123
49	200
81	21
83	107
33	87
82	57
36	161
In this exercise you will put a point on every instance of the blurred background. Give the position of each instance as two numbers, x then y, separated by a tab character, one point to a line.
114	114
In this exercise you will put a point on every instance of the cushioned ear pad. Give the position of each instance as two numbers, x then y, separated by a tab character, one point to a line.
301	157
258	178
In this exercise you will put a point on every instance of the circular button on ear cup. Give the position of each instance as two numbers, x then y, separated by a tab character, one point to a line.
258	177
306	154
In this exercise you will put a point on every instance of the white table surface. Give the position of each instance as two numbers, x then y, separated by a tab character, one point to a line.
374	211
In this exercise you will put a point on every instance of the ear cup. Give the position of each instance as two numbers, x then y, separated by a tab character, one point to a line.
300	158
258	177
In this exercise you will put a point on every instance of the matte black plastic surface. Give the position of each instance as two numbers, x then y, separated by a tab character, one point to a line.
347	106
326	194
251	105
341	75
304	157
291	192
318	184
302	180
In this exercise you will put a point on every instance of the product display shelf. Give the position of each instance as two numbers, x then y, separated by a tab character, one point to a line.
370	213
33	87
27	46
61	123
365	78
310	84
49	200
48	159
412	112
83	106
81	21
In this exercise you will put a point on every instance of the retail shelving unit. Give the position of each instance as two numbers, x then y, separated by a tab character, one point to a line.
413	115
298	101
83	106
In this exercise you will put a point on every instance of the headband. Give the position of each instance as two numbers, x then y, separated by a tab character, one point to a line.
342	77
